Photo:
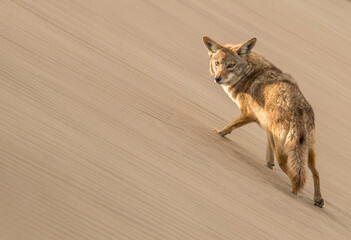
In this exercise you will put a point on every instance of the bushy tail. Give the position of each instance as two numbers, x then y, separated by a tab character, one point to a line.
297	165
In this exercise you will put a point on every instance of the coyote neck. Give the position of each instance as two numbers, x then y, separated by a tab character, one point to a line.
243	84
245	94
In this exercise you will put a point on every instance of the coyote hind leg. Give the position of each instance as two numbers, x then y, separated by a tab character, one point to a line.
282	160
318	200
269	152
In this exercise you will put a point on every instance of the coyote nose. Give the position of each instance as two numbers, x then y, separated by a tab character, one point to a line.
218	79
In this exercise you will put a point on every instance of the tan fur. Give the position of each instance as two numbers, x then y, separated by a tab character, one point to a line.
272	99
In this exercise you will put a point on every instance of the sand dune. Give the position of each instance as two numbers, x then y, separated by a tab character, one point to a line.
107	110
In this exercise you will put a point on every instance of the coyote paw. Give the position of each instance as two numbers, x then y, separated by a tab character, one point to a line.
270	165
222	133
319	202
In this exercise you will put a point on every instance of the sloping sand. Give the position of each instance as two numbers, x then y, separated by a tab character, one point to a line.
107	110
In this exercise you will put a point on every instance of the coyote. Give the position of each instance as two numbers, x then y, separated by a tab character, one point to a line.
272	99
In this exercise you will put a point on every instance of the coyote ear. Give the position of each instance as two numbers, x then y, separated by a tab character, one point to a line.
211	45
246	47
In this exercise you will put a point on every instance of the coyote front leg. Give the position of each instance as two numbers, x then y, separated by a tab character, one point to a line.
242	120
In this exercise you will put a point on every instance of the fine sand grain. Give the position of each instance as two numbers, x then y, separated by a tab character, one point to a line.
107	110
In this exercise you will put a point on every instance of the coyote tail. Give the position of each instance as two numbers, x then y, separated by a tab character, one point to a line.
297	162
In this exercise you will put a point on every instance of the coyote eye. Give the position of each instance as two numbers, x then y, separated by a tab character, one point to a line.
216	63
231	65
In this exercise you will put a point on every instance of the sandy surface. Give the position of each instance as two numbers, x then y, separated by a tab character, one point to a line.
107	110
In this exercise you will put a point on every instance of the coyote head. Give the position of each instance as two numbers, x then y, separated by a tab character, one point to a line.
227	62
